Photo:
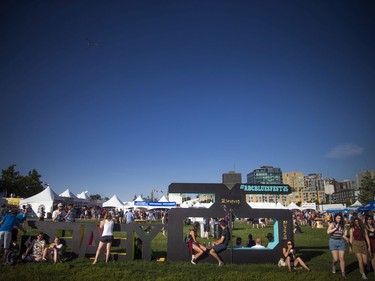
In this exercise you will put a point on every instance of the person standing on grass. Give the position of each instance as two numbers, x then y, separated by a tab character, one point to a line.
107	236
221	244
370	226
7	223
360	244
337	238
70	213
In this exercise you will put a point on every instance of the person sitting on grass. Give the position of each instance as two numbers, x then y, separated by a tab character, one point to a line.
53	252
290	257
35	250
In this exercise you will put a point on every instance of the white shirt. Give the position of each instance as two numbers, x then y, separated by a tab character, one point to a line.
108	228
258	247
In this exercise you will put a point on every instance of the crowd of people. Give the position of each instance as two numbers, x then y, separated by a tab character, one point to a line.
353	231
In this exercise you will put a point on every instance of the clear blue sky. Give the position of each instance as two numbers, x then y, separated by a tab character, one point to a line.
183	91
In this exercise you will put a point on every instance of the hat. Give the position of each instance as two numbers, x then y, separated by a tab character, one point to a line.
60	205
269	235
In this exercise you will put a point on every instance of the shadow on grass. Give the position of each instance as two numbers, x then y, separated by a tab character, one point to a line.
310	253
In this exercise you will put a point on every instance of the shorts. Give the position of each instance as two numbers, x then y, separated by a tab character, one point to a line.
106	239
337	244
6	237
219	248
359	247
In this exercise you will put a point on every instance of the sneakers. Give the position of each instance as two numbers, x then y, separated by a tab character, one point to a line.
343	275
364	277
221	263
333	269
193	260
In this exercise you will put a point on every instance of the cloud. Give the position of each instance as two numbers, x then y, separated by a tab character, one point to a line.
344	150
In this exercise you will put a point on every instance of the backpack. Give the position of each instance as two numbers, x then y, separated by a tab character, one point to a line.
10	258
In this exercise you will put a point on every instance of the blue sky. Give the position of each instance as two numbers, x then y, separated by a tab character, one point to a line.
183	91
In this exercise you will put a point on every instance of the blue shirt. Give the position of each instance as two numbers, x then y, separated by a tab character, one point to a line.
129	217
9	221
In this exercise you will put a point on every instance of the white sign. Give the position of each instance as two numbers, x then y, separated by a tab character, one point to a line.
311	206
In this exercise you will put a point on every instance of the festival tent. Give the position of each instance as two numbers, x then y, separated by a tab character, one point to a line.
114	202
368	207
83	195
68	194
356	204
293	206
163	199
281	206
46	199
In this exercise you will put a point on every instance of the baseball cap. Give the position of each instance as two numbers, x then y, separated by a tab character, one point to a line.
60	205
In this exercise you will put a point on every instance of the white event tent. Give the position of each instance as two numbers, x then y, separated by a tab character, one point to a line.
356	204
46	199
83	195
68	194
293	206
114	202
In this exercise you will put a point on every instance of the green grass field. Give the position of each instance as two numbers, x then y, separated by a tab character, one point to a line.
312	246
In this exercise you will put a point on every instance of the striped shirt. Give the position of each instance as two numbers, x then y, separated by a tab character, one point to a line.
338	233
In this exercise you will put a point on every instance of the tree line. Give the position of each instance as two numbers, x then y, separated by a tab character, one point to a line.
12	182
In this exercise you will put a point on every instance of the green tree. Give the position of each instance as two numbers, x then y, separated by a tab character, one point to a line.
367	191
95	197
12	182
31	184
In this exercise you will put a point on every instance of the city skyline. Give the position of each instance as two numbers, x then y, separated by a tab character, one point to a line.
127	96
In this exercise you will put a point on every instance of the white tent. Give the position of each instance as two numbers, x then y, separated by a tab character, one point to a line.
356	204
68	194
139	199
44	199
114	202
262	205
83	195
163	199
293	206
281	206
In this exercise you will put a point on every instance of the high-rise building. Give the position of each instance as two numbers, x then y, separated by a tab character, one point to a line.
265	175
294	180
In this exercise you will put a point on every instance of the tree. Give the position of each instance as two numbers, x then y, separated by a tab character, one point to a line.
12	182
94	197
367	191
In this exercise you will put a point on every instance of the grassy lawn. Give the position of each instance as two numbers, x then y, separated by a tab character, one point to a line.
312	246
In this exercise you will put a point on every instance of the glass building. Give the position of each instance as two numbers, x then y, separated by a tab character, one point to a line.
265	175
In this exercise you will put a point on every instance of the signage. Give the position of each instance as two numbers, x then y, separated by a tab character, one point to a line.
231	202
154	204
266	189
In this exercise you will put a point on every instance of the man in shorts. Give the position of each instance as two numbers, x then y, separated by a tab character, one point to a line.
221	244
7	224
